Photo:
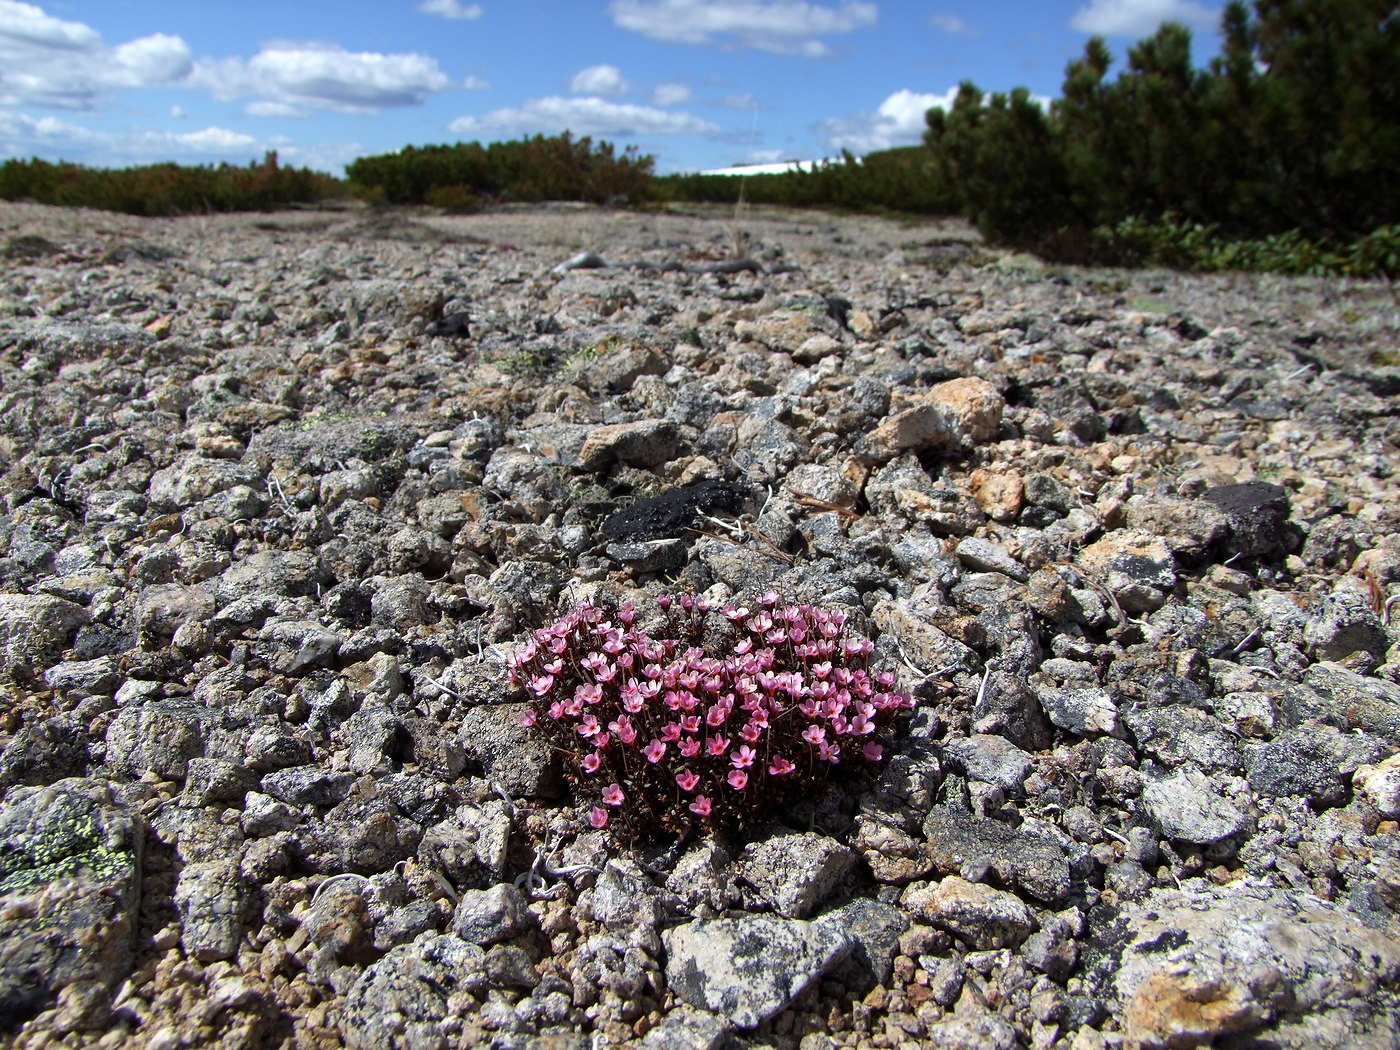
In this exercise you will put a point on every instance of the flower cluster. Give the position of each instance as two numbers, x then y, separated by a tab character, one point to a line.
665	732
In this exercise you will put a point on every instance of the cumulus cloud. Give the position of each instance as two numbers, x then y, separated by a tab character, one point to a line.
48	136
952	24
899	121
598	80
1139	18
471	82
24	26
47	61
582	116
323	76
785	27
669	94
450	9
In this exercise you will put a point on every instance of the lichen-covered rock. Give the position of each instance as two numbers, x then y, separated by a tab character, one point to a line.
70	881
749	969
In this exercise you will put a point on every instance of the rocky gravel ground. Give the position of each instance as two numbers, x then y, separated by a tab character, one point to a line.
282	492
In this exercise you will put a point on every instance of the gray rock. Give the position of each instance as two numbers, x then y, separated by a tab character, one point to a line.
623	896
1314	762
977	914
1136	567
792	874
961	842
213	902
361	835
749	969
1186	806
291	646
71	846
159	737
986	1031
1343	623
41	752
1239	962
488	916
1190	528
400	1002
470	846
991	759
875	928
308	786
509	754
650	555
215	781
1175	735
1083	711
645	443
34	628
1346	700
687	1029
96	677
985	556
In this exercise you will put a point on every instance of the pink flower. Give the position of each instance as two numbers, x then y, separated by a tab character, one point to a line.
716	715
701	806
814	735
592	761
751	733
690	724
654	751
738	779
613	796
873	751
663	602
780	766
589	727
528	718
716	745
743	758
541	684
671	731
622	726
690	746
687	780
589	693
861	726
598	817
827	753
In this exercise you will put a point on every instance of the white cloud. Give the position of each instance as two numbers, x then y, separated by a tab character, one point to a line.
899	121
450	9
178	112
582	116
155	59
271	108
25	26
952	24
323	76
1140	18
471	82
785	27
669	94
206	140
598	80
741	100
46	61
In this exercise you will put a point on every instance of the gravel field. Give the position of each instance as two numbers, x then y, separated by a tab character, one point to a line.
284	493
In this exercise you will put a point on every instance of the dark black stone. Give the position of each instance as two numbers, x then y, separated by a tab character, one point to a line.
453	326
1257	513
671	513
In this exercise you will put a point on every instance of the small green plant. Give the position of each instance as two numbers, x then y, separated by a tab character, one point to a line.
713	718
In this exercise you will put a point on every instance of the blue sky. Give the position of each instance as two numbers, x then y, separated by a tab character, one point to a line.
698	84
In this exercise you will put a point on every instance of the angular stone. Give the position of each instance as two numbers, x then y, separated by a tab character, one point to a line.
749	969
794	873
70	875
1186	807
34	628
960	413
959	841
401	1001
644	443
1206	964
982	916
